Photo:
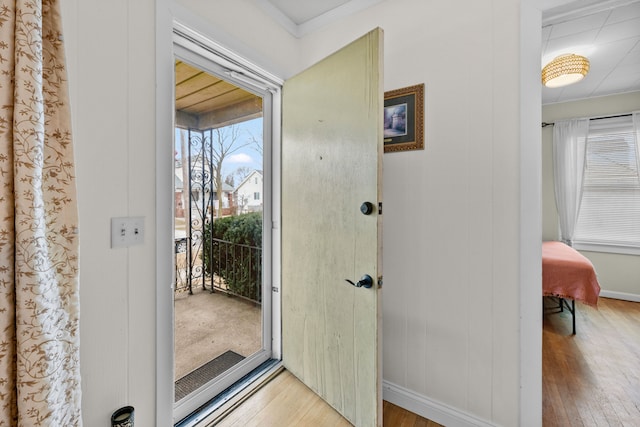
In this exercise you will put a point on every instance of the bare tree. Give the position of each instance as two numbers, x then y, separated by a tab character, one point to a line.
243	201
256	143
224	142
240	174
237	176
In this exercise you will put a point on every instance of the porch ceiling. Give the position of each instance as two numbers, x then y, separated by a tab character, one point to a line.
204	101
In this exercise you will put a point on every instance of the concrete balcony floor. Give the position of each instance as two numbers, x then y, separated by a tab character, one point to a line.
208	324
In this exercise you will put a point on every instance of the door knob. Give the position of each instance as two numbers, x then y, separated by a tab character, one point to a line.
366	208
365	282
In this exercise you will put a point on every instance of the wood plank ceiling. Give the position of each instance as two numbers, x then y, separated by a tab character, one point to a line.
204	101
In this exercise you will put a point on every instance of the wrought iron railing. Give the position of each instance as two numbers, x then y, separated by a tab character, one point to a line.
234	268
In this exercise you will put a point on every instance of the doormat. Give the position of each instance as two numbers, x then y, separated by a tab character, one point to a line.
205	373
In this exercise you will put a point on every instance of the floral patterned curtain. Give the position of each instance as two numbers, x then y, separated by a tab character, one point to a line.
39	342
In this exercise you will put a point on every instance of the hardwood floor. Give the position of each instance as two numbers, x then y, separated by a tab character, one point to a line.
592	378
286	402
395	416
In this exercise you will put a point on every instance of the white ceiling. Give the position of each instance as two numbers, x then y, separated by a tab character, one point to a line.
302	11
605	31
301	17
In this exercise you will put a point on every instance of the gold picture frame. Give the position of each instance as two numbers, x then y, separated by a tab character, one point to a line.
404	119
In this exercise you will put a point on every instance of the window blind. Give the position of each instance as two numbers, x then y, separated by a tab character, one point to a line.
610	208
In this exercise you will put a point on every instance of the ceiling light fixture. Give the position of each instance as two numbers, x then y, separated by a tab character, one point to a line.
565	70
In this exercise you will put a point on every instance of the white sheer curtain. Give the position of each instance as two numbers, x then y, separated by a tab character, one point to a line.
569	150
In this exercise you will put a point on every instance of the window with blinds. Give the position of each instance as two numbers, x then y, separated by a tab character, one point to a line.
609	213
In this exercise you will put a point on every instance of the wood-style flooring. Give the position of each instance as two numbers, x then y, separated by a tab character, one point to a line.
395	416
286	402
592	379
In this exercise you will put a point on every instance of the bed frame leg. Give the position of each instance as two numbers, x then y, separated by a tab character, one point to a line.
573	315
562	303
572	310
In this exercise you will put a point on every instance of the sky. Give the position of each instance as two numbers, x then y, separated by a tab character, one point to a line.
244	157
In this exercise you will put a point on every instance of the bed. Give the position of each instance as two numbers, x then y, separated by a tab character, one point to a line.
568	275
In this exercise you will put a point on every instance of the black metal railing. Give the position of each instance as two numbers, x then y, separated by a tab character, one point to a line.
235	269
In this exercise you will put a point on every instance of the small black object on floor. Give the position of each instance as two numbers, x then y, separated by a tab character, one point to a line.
205	373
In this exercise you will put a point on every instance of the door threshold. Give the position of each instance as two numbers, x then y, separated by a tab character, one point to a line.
221	405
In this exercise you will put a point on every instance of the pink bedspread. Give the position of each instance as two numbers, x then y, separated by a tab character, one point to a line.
568	274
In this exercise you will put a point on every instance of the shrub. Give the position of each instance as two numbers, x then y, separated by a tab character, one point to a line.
236	246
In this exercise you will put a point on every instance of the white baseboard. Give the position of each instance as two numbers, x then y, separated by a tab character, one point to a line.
620	295
429	408
448	415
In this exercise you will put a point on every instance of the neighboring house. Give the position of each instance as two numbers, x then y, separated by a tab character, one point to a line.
196	194
249	194
177	190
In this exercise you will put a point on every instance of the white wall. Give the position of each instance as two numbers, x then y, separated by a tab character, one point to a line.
453	220
242	27
619	275
111	65
111	54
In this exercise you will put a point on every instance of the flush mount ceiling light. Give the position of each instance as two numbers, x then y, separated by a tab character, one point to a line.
565	70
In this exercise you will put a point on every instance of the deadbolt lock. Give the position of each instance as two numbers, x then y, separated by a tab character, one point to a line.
366	208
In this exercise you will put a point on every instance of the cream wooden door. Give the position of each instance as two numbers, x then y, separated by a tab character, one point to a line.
331	157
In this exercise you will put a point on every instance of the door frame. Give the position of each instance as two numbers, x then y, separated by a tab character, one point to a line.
245	74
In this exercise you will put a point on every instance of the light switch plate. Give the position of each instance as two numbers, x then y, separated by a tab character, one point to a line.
127	231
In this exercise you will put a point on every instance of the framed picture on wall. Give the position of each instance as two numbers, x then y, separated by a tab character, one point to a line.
404	119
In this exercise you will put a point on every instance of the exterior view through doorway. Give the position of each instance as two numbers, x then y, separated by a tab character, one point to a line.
221	316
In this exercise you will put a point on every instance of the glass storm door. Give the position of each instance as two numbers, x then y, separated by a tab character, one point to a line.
222	320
